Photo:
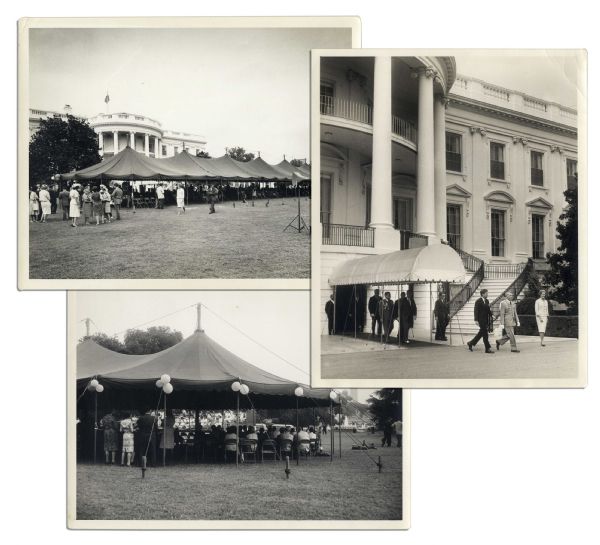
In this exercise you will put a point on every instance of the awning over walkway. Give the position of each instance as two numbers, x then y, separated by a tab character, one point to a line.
129	164
434	263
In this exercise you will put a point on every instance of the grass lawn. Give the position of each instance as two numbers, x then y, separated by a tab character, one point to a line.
349	488
240	242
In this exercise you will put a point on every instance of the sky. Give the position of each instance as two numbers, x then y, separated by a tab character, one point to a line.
549	75
235	87
277	320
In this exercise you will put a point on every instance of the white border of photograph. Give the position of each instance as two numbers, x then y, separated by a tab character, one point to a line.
316	310
353	23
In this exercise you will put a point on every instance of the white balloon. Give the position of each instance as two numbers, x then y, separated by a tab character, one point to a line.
244	389
159	383
168	388
333	396
236	386
99	388
299	391
165	379
94	383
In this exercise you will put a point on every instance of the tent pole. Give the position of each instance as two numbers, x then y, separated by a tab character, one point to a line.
297	431
430	319
340	425
398	294
355	317
95	423
237	433
331	430
165	434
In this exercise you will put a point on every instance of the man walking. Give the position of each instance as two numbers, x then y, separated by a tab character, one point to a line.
484	318
441	312
329	310
212	193
117	199
386	311
509	320
374	312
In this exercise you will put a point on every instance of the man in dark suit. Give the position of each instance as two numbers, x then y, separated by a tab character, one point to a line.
330	311
441	311
484	318
386	311
405	316
374	312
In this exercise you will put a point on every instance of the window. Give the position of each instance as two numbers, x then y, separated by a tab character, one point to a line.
164	150
403	216
326	186
497	160
453	152
571	174
326	98
497	233
453	225
537	168
537	236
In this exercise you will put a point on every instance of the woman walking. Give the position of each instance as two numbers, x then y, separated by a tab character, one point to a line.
74	211
34	205
86	200
541	315
45	202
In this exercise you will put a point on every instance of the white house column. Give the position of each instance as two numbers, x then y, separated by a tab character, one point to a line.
440	166
381	184
425	157
156	148
115	142
101	142
146	144
132	140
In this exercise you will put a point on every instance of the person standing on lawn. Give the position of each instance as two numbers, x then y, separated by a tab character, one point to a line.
484	318
541	315
374	312
386	311
117	199
74	211
180	200
45	202
96	205
509	320
441	312
212	193
87	205
34	205
63	199
404	317
160	197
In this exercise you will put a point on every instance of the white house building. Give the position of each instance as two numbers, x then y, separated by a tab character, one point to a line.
414	154
117	130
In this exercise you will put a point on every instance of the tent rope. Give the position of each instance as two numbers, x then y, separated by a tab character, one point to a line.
153	423
154	320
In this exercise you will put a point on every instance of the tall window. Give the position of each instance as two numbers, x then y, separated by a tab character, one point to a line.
453	152
571	173
325	198
326	98
403	220
498	237
453	226
537	168
497	160
164	150
368	209
537	236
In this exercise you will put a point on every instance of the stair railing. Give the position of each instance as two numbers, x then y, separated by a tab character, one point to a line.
525	276
470	263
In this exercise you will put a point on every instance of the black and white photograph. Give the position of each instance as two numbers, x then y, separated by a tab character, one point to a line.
447	249
160	151
185	411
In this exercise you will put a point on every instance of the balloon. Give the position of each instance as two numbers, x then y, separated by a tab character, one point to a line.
333	396
236	386
244	389
159	383
299	391
99	388
168	388
165	379
94	383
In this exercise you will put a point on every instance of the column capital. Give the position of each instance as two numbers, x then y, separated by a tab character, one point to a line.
424	72
443	100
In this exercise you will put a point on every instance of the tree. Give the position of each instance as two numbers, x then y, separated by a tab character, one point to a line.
203	154
298	162
112	343
240	154
386	404
153	340
61	146
563	274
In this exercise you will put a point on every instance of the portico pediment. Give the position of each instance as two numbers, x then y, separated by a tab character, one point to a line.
540	202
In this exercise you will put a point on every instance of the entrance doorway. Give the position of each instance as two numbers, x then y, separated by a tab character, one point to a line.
350	309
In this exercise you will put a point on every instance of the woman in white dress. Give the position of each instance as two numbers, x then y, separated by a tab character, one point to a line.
34	205
127	429
45	203
541	315
74	212
180	199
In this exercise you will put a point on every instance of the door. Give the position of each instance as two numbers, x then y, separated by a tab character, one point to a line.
350	309
325	199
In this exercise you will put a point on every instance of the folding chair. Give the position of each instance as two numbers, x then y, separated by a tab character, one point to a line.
268	447
248	448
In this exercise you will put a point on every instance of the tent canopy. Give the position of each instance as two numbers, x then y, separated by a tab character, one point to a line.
434	263
201	372
129	164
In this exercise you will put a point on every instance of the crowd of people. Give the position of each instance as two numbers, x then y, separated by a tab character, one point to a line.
148	434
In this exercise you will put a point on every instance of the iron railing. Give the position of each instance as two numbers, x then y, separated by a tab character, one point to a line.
454	240
503	270
471	263
406	236
404	129
347	109
335	234
524	277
